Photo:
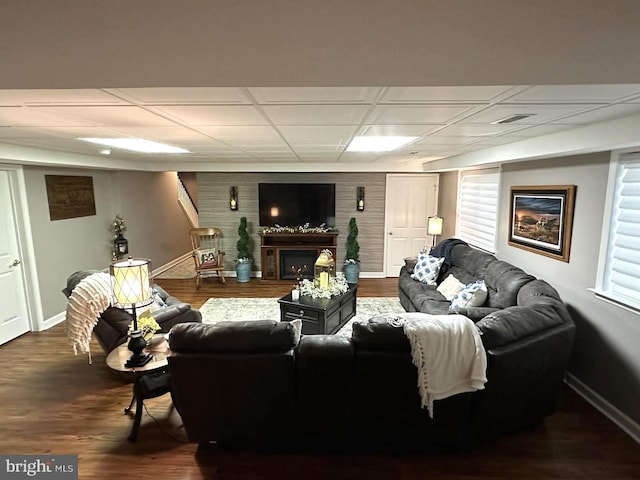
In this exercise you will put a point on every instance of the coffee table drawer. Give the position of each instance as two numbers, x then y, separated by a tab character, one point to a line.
293	313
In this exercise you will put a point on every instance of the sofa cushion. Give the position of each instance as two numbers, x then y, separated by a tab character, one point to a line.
472	295
450	286
379	334
258	336
504	281
427	268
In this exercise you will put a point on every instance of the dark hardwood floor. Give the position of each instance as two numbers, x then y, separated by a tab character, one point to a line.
54	402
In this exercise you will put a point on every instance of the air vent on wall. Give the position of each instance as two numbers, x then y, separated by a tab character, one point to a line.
513	118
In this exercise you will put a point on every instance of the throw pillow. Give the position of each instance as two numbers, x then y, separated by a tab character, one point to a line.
472	295
450	286
158	302
427	268
410	263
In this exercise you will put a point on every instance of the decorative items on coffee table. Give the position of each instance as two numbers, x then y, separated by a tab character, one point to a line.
243	263
351	265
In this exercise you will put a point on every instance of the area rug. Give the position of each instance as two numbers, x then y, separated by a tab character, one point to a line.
184	269
242	309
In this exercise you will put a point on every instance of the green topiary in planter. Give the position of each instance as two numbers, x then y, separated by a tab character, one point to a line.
351	266
243	263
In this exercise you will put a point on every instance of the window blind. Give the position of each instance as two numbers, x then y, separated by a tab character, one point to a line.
478	208
622	270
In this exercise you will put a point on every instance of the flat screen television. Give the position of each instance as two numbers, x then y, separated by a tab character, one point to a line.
295	204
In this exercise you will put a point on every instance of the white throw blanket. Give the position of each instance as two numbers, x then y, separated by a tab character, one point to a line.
88	300
448	353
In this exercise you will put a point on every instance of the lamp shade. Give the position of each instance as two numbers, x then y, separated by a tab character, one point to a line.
130	281
434	225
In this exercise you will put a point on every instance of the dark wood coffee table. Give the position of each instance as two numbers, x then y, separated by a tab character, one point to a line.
149	381
320	315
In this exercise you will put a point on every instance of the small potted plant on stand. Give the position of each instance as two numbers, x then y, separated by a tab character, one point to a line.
351	267
243	263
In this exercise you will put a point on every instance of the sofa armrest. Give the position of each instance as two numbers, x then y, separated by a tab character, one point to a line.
517	323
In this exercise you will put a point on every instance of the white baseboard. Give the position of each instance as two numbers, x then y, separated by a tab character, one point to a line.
630	427
53	321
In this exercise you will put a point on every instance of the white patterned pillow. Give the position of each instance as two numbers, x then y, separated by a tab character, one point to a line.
450	286
472	295
427	268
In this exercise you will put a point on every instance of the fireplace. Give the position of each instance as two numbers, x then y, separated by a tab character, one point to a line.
296	264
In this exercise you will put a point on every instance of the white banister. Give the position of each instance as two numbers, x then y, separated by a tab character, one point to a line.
187	205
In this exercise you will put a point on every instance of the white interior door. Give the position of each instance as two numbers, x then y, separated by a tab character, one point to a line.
13	314
410	200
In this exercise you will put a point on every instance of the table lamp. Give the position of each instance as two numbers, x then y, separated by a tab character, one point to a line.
131	287
434	228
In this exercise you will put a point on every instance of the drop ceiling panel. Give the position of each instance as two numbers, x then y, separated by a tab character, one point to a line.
315	114
239	132
397	130
398	115
109	116
541	113
73	132
177	95
160	134
442	140
577	93
443	94
33	117
304	135
602	114
58	97
475	130
301	95
200	115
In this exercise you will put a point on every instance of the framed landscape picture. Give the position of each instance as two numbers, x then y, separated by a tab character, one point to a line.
541	219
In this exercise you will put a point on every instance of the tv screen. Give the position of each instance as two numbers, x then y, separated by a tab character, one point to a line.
295	204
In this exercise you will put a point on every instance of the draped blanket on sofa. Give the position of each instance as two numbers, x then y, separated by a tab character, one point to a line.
448	352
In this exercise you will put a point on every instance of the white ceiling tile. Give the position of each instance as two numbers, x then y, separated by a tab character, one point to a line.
315	114
442	140
33	116
443	94
301	95
201	115
577	93
73	132
239	132
601	114
109	116
397	130
159	134
466	130
178	95
538	130
541	113
398	115
58	97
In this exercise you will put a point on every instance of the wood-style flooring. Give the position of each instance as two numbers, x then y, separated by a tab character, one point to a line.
54	402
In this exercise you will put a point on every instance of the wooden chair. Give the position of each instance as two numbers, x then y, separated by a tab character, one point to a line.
207	256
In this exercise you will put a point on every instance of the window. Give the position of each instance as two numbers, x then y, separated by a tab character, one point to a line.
619	273
478	208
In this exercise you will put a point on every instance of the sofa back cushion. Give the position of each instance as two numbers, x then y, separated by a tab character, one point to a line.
259	336
379	334
503	282
468	264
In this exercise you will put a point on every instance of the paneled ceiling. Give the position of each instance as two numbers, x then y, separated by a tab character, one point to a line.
288	84
304	124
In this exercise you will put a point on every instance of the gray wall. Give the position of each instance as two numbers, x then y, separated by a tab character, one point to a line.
606	357
156	226
213	206
447	202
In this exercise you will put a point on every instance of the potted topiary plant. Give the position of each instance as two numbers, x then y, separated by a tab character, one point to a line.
351	267
243	263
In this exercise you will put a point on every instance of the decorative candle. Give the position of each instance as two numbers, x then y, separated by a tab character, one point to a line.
295	294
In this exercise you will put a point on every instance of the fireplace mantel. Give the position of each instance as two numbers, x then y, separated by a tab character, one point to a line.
271	245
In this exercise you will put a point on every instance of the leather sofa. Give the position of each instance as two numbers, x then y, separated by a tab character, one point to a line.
256	384
113	326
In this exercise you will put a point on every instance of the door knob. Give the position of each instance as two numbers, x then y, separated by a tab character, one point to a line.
15	263
390	233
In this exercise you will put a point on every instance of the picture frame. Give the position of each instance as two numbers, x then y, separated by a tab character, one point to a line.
70	196
541	219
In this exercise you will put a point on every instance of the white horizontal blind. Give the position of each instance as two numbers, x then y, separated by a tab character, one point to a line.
622	270
478	208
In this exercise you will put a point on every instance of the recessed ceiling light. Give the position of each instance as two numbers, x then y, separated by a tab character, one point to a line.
378	143
136	145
